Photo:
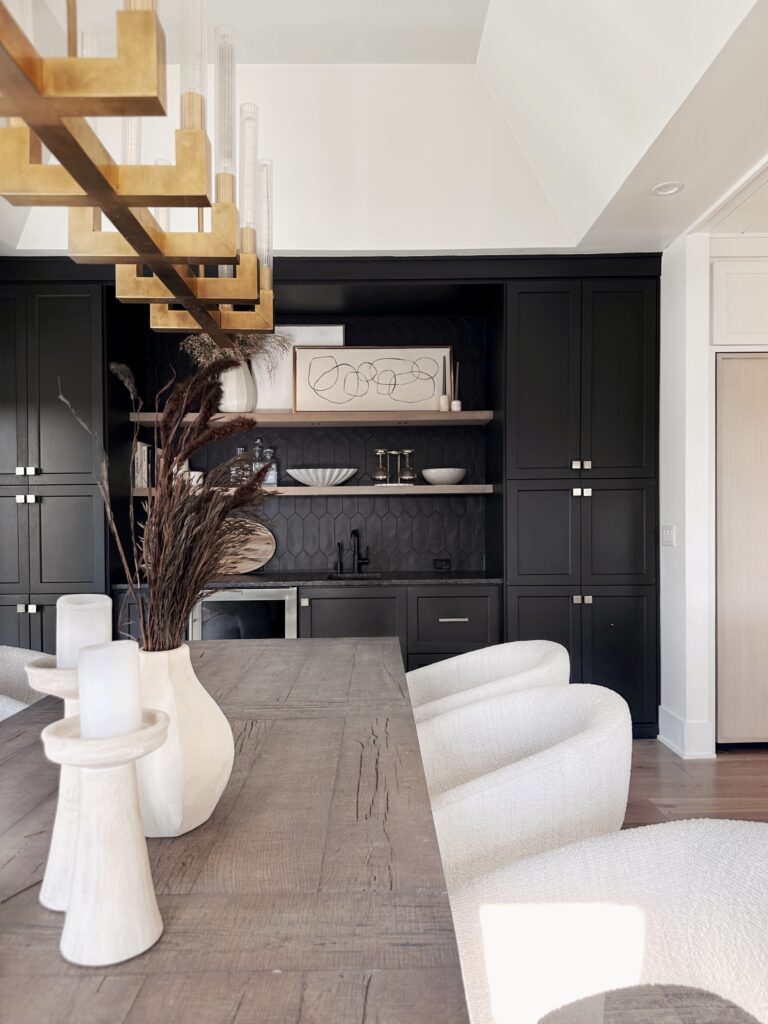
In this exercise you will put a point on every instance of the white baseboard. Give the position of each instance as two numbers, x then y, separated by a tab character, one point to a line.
687	739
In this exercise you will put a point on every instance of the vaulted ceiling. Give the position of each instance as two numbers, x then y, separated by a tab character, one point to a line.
469	125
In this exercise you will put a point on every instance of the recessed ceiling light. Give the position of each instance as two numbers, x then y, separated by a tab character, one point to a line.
667	188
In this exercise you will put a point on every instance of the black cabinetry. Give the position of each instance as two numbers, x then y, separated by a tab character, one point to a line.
581	379
581	495
52	532
431	622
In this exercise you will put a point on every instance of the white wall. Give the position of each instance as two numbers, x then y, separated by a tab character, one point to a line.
397	158
586	87
686	492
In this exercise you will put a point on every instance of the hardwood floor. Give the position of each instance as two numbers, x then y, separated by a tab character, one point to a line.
664	787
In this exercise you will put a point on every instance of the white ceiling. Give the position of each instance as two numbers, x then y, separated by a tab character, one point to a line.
481	125
327	31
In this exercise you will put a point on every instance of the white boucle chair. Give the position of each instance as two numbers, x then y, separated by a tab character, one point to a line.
492	671
683	903
15	693
515	775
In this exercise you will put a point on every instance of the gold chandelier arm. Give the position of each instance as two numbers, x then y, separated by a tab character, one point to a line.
133	83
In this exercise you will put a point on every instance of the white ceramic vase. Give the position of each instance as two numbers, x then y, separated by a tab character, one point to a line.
181	782
239	390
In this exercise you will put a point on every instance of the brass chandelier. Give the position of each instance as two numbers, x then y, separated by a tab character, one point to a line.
216	279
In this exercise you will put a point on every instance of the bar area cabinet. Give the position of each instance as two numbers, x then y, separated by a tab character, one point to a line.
52	534
581	507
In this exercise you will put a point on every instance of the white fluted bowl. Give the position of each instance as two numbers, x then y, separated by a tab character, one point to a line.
321	477
444	476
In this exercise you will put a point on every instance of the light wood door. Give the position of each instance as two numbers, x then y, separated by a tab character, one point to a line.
742	547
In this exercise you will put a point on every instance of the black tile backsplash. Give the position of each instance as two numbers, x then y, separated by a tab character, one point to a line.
402	533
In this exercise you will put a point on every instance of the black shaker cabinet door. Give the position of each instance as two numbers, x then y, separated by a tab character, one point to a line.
13	387
67	540
42	622
619	377
619	646
353	612
14	621
544	531
547	613
64	346
14	541
543	385
618	529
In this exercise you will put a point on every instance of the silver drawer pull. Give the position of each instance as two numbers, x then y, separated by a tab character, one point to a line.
453	620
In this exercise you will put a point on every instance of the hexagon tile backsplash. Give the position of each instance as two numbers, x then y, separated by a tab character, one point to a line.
402	533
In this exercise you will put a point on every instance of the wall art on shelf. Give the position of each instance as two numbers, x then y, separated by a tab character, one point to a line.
370	378
275	390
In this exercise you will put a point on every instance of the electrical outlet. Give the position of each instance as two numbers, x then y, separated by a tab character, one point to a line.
441	564
669	536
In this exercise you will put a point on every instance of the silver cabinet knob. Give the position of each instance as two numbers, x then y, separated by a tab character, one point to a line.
31	499
587	599
21	609
453	620
576	598
20	499
304	602
32	609
30	470
586	464
576	464
587	492
576	492
19	471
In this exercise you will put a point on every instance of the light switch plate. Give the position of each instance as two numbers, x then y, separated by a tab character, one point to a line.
669	536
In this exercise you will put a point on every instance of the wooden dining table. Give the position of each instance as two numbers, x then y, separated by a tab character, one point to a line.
313	894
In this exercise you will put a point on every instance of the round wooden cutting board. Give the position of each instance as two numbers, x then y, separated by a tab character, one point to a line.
254	553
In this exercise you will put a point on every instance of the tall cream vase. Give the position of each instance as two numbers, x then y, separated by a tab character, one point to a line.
181	782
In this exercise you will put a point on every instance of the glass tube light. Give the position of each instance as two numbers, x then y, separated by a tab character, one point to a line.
225	67
264	233
194	62
249	175
162	214
131	140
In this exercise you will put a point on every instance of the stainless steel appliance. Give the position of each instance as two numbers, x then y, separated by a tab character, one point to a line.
247	613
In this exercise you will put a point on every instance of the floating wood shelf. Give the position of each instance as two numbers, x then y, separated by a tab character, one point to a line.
359	491
287	418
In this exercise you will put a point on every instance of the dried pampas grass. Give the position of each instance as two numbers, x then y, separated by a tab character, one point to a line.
266	350
189	531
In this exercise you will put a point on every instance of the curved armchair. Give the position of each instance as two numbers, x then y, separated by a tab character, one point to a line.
683	903
489	672
15	693
515	775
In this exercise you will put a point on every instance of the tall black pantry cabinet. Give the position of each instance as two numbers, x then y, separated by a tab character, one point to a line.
52	535
581	467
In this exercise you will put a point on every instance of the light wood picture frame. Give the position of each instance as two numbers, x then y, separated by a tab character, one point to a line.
372	378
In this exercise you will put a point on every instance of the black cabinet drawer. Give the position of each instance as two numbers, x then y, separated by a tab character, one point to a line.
452	619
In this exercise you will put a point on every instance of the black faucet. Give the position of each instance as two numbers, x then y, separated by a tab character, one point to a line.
358	558
339	558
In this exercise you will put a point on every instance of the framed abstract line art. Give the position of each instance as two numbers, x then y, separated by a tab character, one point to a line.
370	378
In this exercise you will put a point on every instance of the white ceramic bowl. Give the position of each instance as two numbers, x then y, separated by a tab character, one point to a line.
444	476
321	477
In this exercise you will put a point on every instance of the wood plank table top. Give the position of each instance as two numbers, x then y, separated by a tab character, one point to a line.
315	892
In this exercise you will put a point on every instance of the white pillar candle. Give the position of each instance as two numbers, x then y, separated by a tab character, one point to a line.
110	697
81	620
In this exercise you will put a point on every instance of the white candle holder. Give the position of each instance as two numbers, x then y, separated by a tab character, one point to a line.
112	913
44	677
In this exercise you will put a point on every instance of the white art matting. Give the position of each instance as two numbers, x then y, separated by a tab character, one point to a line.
370	378
276	391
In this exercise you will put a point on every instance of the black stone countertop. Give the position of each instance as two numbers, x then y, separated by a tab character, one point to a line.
320	579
